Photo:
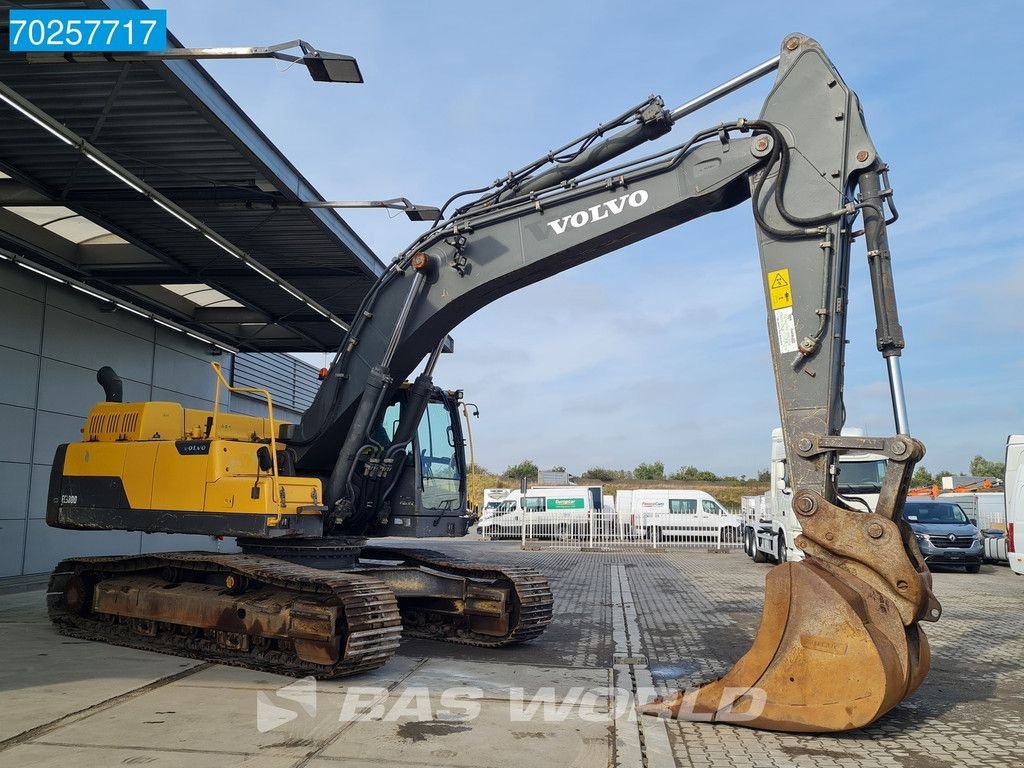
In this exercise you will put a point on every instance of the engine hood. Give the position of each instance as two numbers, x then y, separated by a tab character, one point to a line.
939	530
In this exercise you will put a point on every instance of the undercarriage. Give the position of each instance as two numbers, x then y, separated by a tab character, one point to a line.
332	608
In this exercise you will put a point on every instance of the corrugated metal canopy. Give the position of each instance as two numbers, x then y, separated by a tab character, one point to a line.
171	125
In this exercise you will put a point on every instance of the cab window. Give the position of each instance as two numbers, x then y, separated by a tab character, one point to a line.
682	506
711	508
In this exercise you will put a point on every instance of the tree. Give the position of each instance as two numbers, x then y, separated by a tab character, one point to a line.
557	469
764	476
605	475
922	477
692	474
524	468
653	471
982	467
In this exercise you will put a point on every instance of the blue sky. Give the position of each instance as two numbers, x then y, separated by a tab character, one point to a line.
659	351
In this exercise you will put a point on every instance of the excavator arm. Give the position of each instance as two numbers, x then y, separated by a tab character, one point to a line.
839	643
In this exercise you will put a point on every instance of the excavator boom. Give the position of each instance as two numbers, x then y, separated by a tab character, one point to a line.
840	643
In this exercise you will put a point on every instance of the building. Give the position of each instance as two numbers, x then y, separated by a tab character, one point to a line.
146	223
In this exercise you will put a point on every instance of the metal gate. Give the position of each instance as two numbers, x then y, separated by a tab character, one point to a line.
607	530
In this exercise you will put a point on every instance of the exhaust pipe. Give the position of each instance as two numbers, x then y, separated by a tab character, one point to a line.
113	388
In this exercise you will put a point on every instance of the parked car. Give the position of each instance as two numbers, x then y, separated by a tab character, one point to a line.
945	535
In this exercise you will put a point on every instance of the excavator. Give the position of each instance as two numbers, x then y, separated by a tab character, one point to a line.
840	641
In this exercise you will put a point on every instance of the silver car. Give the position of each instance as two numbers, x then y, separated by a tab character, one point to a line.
944	533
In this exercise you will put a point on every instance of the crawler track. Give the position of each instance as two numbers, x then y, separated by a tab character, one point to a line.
531	600
368	625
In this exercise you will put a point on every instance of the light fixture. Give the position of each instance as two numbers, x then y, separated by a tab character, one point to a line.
30	268
290	292
112	172
323	66
125	307
221	245
10	102
327	67
87	292
175	214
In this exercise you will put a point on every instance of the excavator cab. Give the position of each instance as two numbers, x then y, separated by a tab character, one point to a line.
429	495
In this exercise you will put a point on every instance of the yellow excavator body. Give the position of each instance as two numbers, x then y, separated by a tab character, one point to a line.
158	465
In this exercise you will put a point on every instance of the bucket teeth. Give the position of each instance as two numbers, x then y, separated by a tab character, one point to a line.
831	654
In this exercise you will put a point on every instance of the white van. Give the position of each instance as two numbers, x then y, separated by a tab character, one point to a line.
549	512
676	515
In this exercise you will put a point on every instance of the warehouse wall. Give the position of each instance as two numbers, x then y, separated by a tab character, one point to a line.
52	341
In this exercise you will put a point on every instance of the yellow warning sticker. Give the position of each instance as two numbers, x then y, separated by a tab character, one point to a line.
779	289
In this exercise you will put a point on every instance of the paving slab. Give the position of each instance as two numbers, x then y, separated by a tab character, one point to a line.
46	676
42	755
490	738
218	676
181	717
503	681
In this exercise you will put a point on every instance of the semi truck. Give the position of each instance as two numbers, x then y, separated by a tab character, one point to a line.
770	526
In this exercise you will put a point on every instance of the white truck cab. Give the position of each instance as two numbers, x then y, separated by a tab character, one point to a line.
1014	486
772	536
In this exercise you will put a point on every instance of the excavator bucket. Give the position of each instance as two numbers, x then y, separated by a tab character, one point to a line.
831	654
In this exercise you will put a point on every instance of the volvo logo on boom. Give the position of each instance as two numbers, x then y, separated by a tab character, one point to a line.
603	210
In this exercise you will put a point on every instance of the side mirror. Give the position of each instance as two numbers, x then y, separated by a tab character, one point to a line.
781	485
264	459
973	521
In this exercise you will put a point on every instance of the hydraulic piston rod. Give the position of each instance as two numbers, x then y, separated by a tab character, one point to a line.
636	135
888	332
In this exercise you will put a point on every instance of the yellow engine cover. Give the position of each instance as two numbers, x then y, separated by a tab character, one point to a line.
154	467
109	422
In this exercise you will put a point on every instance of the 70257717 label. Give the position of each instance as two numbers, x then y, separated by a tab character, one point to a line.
88	30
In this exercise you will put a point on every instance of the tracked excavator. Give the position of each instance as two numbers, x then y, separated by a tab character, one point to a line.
840	641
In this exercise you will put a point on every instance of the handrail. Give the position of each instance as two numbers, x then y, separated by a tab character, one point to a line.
270	415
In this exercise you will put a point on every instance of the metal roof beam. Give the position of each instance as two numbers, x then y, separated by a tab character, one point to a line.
115	169
13	192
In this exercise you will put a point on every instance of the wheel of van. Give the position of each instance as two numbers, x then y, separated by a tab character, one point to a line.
780	550
976	568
